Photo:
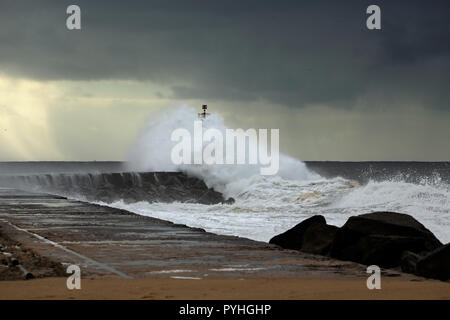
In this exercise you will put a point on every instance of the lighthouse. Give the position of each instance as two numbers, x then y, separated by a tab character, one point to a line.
203	115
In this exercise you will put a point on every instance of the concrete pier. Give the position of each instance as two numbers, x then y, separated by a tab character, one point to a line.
108	242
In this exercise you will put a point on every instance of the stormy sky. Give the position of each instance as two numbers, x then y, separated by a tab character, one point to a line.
336	90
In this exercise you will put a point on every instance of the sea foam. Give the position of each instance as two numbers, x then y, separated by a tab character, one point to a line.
268	205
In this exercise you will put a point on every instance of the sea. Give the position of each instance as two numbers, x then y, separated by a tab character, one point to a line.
268	205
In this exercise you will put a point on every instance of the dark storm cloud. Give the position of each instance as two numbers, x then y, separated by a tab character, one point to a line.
289	52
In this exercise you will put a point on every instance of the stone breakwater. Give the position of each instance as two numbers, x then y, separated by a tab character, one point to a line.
127	186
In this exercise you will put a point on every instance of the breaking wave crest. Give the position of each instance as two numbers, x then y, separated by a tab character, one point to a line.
152	152
267	205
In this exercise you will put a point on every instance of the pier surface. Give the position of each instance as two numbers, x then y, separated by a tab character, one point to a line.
108	242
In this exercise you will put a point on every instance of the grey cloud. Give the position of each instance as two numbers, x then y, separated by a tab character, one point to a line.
289	52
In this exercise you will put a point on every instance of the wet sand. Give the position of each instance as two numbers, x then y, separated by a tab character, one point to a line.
216	289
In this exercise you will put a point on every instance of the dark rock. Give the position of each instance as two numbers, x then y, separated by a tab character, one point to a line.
29	276
380	238
312	235
436	264
382	250
210	197
386	239
229	201
14	262
408	261
318	238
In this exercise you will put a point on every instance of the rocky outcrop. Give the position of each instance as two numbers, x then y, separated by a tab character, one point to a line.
436	264
318	239
408	262
312	235
386	239
381	238
14	257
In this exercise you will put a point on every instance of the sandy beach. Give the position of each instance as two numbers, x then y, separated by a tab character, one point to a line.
224	289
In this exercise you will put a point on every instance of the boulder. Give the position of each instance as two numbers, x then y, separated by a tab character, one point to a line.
312	235
29	276
408	261
318	238
385	239
380	238
436	264
381	250
229	201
